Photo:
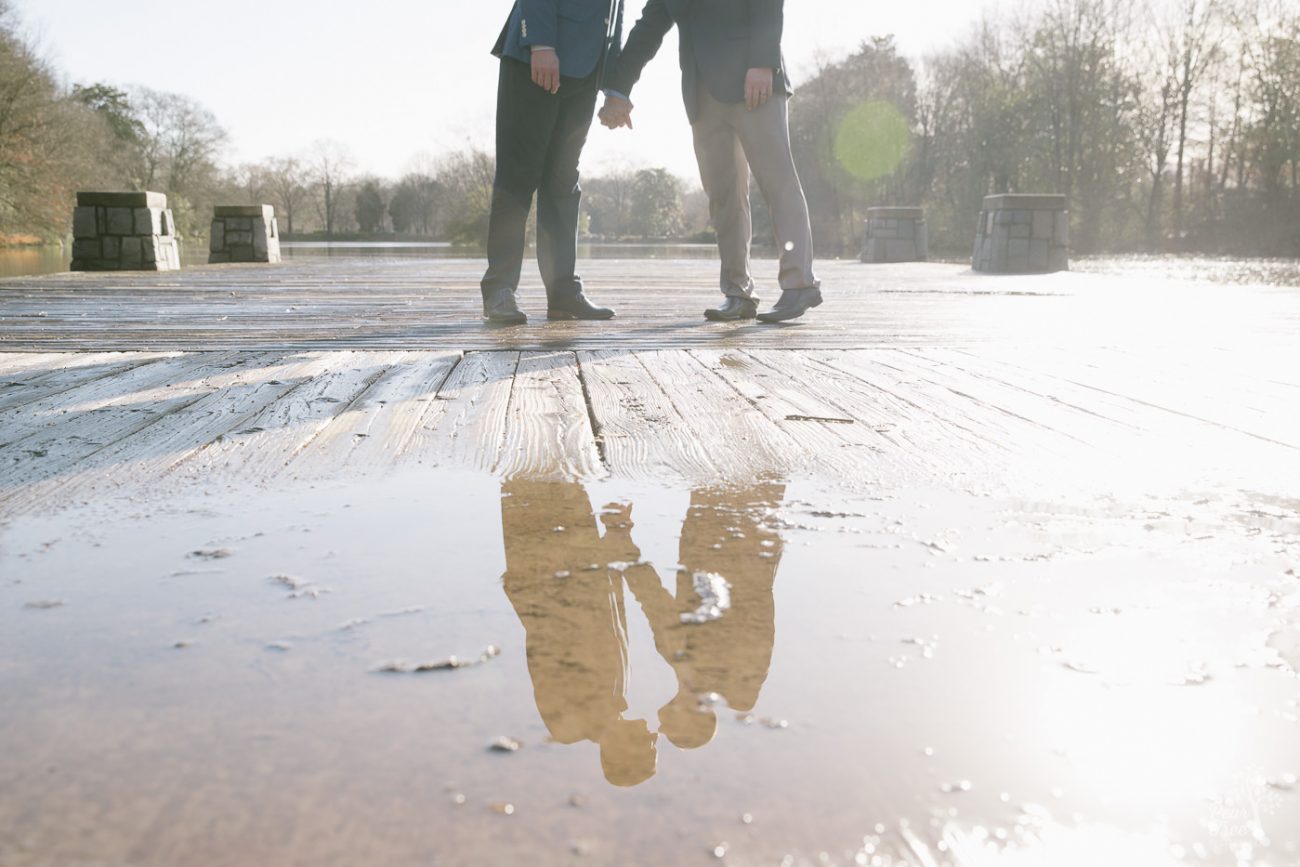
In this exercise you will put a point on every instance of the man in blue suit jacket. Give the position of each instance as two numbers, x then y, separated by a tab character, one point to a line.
554	54
735	88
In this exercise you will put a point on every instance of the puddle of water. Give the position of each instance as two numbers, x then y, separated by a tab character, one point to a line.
341	674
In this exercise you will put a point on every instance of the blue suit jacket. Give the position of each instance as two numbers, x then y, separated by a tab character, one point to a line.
583	32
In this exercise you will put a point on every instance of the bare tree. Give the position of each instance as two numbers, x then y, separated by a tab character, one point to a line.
331	166
286	181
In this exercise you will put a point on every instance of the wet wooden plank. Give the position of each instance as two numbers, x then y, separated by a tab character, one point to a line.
822	435
466	424
548	427
101	414
336	302
262	448
234	396
65	372
640	430
742	443
377	431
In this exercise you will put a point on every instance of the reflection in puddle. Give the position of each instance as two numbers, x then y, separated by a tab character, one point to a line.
567	580
946	679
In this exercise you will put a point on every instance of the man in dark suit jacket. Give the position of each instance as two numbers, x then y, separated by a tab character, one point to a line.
735	87
553	54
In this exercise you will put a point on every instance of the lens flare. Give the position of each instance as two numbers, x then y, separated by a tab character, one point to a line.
872	140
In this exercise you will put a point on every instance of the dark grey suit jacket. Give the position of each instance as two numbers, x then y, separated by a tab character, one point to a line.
721	40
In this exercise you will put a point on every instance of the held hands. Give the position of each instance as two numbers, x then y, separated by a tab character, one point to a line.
758	86
616	112
546	69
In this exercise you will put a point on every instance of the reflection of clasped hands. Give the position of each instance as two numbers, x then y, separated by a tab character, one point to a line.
617	111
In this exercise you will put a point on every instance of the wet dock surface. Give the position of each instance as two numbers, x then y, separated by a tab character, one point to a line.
963	570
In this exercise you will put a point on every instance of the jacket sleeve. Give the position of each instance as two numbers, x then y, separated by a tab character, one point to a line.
615	48
642	45
767	20
539	22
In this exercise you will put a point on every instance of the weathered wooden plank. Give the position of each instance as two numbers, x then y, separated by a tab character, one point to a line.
63	436
1236	403
925	425
742	443
548	428
822	434
377	429
641	433
466	424
274	436
236	394
66	372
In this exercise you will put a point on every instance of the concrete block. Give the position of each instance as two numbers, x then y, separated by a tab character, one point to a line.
83	223
1058	259
1020	215
922	242
217	239
1020	230
1044	223
1018	249
1038	253
123	200
1062	234
900	251
101	221
85	248
167	225
110	247
121	221
132	252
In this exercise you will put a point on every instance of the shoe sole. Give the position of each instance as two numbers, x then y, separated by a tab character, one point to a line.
573	317
714	316
774	317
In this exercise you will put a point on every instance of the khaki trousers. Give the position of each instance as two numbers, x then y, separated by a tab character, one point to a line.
730	140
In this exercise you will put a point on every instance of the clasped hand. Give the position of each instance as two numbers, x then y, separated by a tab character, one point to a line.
616	112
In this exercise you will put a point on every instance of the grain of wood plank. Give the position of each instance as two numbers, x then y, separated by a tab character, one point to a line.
272	438
146	456
70	371
951	442
1131	380
377	430
548	427
71	435
640	430
466	424
133	388
822	434
742	443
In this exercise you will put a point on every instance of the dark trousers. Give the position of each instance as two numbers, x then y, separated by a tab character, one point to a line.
540	137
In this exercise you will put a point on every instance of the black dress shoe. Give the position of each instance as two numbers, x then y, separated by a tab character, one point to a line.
792	304
500	307
576	307
732	310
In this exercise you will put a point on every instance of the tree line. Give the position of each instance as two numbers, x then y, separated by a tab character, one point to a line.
1169	124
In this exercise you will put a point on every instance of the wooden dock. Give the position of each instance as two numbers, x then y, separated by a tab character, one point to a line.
909	374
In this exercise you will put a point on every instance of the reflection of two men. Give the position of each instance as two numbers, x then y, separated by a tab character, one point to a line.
565	580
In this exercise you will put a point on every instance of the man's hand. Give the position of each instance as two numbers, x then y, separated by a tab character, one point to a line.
616	112
546	69
758	86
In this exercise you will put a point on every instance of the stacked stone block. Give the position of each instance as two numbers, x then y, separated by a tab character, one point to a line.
124	232
244	233
896	235
1022	235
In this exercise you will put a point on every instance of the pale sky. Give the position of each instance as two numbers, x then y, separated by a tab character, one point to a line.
393	78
